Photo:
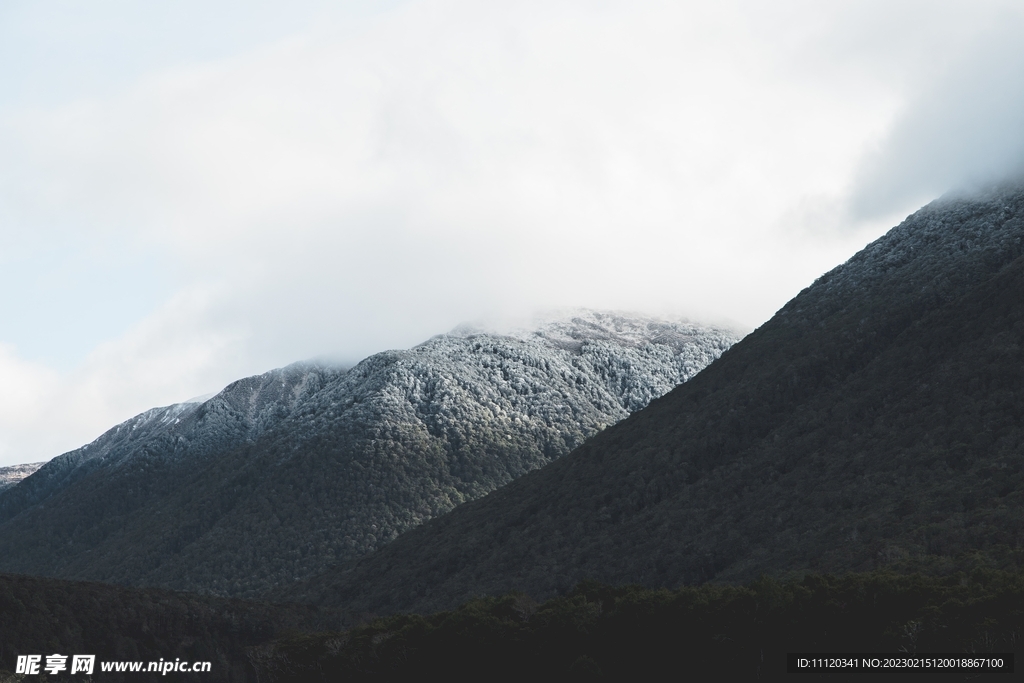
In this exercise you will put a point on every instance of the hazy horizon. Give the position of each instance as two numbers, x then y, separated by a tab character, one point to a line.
197	193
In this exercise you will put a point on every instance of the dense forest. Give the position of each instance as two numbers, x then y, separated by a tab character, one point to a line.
596	631
45	616
710	632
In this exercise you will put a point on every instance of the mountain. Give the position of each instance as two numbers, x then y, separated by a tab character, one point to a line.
877	420
9	476
282	475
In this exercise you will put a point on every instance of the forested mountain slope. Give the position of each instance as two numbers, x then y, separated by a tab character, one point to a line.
876	420
281	475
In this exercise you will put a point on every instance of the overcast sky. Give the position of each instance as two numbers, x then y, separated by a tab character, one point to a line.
192	192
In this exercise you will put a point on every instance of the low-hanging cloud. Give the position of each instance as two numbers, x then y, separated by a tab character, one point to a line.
963	128
340	192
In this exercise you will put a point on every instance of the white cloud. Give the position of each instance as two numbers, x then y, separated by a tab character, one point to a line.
161	360
26	387
963	126
343	191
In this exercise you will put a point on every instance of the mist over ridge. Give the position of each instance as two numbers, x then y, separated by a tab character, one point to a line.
873	423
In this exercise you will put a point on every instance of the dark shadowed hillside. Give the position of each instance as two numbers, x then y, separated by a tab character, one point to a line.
280	476
45	616
877	420
707	633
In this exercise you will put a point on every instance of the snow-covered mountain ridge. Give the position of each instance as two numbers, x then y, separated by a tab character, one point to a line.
281	474
931	256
